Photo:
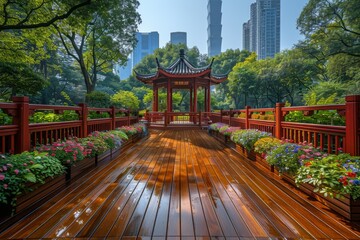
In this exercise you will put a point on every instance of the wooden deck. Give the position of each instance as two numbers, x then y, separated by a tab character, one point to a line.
180	184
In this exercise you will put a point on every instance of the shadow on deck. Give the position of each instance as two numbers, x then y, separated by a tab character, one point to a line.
180	184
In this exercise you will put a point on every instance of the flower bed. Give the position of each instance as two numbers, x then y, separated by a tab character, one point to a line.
331	179
23	176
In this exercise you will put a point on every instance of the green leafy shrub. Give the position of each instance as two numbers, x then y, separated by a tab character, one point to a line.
17	171
326	117
96	115
97	99
248	137
128	130
111	140
4	118
94	145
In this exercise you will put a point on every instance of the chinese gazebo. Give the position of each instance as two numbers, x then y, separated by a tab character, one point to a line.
182	75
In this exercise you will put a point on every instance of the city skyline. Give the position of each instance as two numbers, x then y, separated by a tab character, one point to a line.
191	17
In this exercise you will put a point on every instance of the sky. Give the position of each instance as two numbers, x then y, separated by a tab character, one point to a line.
166	16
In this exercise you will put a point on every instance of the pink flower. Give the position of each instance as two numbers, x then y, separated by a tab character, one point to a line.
5	168
5	186
25	164
16	171
2	177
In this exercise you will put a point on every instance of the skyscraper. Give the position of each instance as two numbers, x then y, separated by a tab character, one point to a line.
246	36
146	44
264	28
214	27
178	37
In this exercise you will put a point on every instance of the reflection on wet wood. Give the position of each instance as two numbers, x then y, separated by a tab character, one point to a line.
180	185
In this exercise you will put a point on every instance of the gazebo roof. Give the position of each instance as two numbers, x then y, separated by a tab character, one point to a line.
181	68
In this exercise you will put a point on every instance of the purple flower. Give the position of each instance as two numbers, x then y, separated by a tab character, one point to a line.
2	177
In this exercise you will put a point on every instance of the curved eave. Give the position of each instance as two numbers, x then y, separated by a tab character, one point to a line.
216	79
204	73
146	78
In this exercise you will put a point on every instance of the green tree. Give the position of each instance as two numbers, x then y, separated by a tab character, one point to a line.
19	79
224	63
332	25
104	34
30	14
125	99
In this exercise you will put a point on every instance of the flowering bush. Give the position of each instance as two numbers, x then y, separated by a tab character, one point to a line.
264	145
68	152
248	137
227	130
285	158
111	139
29	167
129	130
216	126
94	145
140	127
334	175
120	134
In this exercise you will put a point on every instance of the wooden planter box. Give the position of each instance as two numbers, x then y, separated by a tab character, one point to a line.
245	153
347	207
43	192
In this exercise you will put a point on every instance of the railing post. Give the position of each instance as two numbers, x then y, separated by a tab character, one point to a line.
165	118
221	114
113	118
230	114
22	121
247	122
278	119
84	120
352	139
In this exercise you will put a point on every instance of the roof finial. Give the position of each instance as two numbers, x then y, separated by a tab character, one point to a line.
182	53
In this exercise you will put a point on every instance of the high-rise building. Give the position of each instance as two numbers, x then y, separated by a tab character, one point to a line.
253	27
146	44
214	27
264	28
246	36
178	37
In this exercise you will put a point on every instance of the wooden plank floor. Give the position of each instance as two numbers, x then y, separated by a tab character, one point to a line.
180	185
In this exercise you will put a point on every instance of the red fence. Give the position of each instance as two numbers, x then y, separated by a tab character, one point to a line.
328	137
22	136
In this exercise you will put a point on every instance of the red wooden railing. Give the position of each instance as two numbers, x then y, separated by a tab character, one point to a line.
328	137
23	136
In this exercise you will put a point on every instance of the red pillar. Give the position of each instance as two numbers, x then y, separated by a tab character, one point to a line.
155	99
191	100
352	140
195	99
278	119
205	99
22	120
209	98
168	101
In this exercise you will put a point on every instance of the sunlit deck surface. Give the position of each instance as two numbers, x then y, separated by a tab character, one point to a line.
180	184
